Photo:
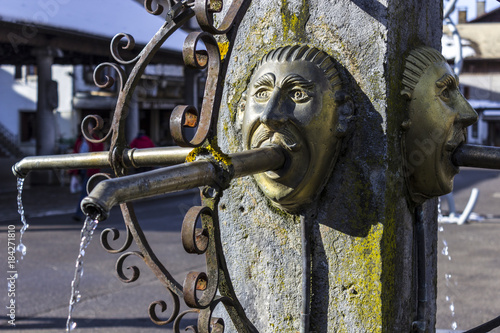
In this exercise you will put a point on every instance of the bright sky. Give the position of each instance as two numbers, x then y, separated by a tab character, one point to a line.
99	17
471	8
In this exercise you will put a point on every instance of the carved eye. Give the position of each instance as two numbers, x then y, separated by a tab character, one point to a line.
445	94
299	96
262	95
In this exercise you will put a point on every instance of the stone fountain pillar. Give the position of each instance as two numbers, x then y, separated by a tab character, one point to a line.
364	262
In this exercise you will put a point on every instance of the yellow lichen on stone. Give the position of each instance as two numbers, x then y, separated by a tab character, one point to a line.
294	24
223	49
362	274
211	149
191	157
355	275
217	153
369	256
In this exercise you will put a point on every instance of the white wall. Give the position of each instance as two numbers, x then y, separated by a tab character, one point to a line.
15	95
21	95
66	119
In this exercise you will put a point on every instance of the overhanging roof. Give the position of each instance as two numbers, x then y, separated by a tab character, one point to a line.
482	37
81	29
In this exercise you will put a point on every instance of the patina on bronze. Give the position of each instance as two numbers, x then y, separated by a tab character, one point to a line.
294	100
437	118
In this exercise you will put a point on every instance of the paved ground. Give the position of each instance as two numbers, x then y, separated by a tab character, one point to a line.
468	275
107	305
469	281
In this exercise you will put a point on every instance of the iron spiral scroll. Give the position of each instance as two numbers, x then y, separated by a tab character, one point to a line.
201	291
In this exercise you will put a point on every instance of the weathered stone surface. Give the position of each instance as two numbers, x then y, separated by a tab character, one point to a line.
363	260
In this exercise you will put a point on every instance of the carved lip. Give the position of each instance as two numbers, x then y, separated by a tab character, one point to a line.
452	145
289	138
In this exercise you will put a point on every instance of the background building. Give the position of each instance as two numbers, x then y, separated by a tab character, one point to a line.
48	52
480	77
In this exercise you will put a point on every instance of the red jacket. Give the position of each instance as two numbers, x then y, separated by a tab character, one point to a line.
142	141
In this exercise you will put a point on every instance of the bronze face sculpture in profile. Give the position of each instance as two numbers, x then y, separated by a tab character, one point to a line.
294	100
436	124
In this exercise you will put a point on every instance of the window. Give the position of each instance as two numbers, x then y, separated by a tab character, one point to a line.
27	125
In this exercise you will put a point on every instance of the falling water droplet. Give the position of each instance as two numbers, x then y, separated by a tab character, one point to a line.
448	278
440	215
86	236
21	248
71	327
20	209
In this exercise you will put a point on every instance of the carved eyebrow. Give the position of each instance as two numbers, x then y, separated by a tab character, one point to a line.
297	80
447	80
267	80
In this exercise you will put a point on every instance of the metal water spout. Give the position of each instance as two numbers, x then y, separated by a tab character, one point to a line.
161	156
185	176
477	156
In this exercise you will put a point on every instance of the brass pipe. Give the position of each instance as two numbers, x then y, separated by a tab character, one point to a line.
254	161
160	156
477	156
185	176
95	160
152	157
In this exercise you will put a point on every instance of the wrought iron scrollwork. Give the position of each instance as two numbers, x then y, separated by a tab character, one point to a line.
115	48
135	270
199	290
93	127
148	4
209	59
116	235
205	11
163	305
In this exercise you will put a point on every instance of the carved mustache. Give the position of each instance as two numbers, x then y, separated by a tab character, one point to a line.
459	137
283	137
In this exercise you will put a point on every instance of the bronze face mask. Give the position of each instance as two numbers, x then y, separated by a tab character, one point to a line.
438	115
291	102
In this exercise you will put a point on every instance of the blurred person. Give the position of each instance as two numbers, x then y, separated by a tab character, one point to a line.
81	146
142	141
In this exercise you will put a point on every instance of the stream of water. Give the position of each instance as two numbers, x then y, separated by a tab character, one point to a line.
448	278
86	236
20	209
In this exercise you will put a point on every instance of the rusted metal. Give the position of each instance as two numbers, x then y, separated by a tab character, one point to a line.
200	288
209	59
477	156
194	239
215	258
205	10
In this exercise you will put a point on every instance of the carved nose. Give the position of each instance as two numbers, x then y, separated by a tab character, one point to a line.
467	115
274	114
